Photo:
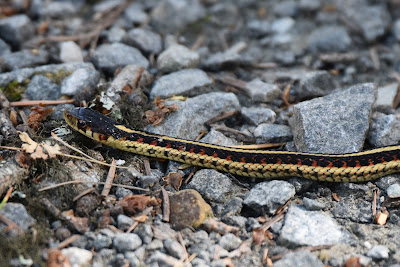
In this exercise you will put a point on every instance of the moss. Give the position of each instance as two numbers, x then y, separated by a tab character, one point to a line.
56	77
14	89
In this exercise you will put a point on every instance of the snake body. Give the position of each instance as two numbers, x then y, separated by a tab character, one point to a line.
351	167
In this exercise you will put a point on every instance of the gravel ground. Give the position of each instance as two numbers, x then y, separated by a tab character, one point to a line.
314	76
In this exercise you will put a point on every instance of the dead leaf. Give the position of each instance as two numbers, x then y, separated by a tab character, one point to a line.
52	151
174	179
37	116
353	262
23	159
30	145
382	217
133	204
39	153
157	116
56	259
336	197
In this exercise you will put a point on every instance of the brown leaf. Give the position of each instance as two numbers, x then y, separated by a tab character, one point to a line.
157	116
133	204
52	151
56	259
353	262
30	145
23	159
336	197
39	153
174	179
37	116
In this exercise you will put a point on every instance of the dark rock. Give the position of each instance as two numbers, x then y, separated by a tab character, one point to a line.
15	30
42	87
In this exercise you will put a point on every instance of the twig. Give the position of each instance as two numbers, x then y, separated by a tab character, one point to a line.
309	248
166	205
220	117
68	241
109	180
84	193
376	191
25	121
90	182
11	224
375	58
25	103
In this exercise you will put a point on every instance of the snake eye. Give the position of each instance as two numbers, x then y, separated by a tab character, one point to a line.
81	124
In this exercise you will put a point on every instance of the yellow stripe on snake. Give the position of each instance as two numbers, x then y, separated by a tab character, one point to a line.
352	167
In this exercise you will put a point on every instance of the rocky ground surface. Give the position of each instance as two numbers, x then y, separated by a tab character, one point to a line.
305	75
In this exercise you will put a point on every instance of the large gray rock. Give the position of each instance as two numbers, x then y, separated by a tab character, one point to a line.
267	197
188	82
311	228
329	39
177	57
299	259
16	29
110	57
337	123
186	122
24	59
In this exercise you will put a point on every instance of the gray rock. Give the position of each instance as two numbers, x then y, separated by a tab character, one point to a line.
126	241
24	59
146	41
212	185
177	57
135	14
188	82
70	52
174	248
299	259
256	116
156	244
22	75
238	221
385	97
286	8
160	259
17	213
329	39
101	242
17	29
285	57
393	191
372	20
354	209
396	29
59	10
282	25
233	207
4	48
178	13
259	28
145	233
337	123
230	242
42	87
267	197
124	222
309	5
133	259
222	60
384	131
315	83
115	35
311	228
260	91
110	57
378	252
77	256
218	138
186	123
312	204
272	133
387	181
79	80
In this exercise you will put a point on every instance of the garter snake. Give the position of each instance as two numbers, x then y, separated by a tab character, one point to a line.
352	167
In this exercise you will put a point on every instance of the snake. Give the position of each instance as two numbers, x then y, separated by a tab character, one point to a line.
350	167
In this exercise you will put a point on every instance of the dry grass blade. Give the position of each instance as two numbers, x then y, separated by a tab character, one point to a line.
71	147
84	193
259	146
166	205
91	182
40	102
110	179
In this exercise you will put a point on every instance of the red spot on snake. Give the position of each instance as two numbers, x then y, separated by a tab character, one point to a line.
140	140
202	152
181	148
279	161
314	163
358	165
242	160
191	150
215	155
263	161
153	143
168	145
344	164
229	158
371	163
